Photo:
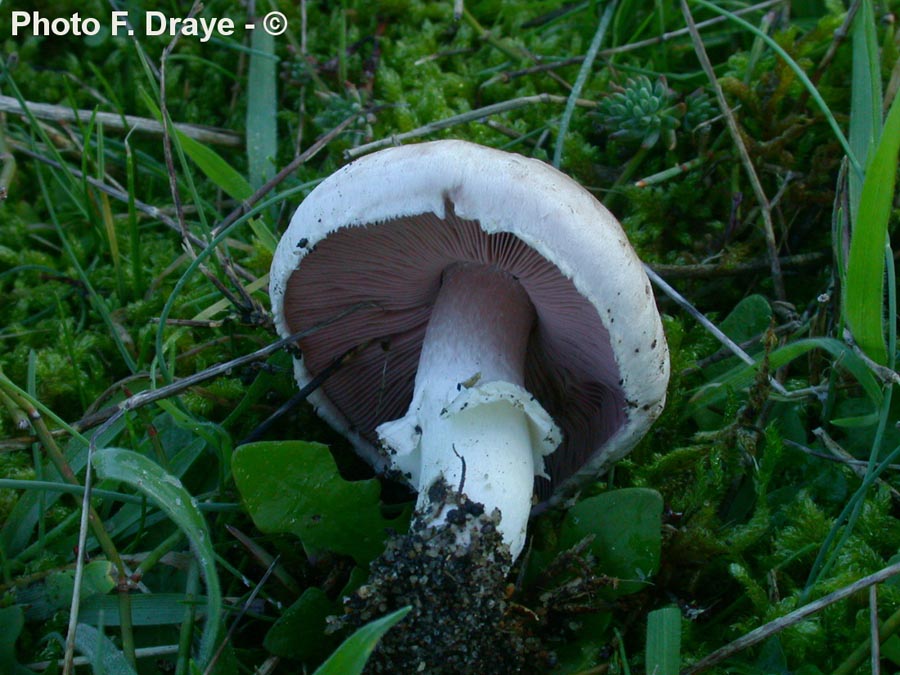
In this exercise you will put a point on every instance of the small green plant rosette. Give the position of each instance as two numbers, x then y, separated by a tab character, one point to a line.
642	111
699	108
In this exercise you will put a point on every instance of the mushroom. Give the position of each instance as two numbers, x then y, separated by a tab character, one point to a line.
505	334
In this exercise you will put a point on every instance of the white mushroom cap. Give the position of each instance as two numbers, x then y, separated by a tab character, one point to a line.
383	229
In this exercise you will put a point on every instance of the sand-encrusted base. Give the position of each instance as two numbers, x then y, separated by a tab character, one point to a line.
458	622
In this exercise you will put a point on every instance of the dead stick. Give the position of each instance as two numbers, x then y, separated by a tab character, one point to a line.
57	113
470	116
734	131
798	615
706	271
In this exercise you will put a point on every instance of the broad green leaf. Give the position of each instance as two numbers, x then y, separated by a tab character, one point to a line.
626	526
890	650
170	496
102	652
299	633
12	622
663	655
864	296
44	598
351	656
580	653
750	317
294	486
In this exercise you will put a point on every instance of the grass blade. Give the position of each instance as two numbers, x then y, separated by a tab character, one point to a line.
742	376
103	654
169	495
262	139
351	656
581	79
865	98
864	297
663	654
216	169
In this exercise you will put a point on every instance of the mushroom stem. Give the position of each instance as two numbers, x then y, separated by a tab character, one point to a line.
471	422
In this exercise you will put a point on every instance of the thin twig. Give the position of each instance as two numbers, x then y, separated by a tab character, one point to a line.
885	374
58	113
873	630
856	658
734	131
850	461
840	35
240	615
665	37
141	399
512	49
167	135
245	302
860	469
93	416
798	615
304	392
152	211
755	341
193	323
265	559
470	116
89	518
290	168
708	271
151	395
68	665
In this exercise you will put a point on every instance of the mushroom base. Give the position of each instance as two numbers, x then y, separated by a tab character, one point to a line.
460	620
